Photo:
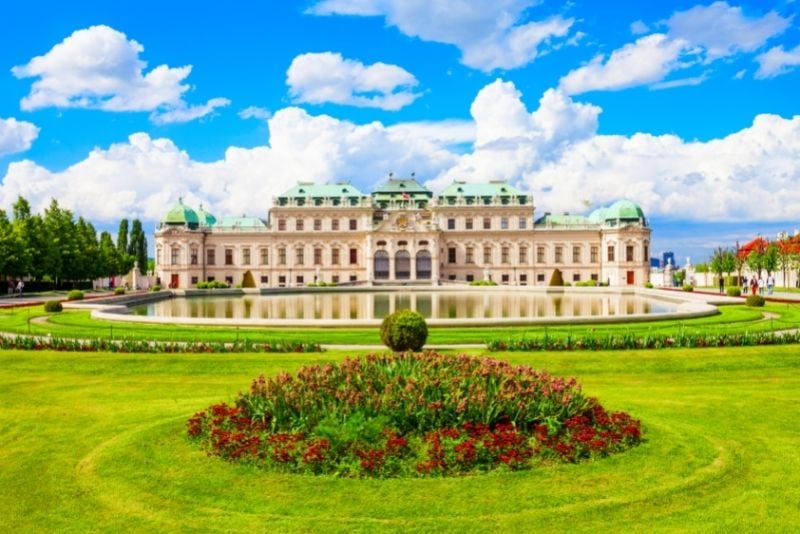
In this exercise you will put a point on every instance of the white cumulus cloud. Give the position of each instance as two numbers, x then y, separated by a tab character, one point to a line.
648	60
255	112
491	34
777	61
723	30
318	78
16	136
100	68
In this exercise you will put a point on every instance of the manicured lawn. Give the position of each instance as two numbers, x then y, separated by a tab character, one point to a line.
95	441
79	324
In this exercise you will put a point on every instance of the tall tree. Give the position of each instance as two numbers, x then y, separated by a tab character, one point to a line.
125	259
109	256
771	258
137	248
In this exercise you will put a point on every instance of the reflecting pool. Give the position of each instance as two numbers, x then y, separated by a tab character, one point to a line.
431	304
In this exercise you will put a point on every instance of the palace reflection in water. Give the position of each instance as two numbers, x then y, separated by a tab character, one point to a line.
432	305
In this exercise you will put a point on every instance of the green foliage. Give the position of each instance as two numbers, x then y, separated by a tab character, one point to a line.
648	285
483	283
587	283
127	345
212	284
733	291
755	301
701	268
75	294
119	290
53	306
404	330
411	414
322	284
556	279
156	287
688	288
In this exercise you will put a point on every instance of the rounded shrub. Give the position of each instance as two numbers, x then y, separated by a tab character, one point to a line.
156	287
755	300
688	287
648	285
733	292
119	291
404	330
53	306
75	294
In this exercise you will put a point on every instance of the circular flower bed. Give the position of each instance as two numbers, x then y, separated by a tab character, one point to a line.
412	414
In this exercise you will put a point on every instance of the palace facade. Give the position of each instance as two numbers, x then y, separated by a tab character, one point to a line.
403	233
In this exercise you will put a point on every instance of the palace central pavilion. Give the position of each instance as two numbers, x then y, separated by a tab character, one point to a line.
403	233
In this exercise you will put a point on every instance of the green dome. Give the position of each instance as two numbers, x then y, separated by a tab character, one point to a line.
181	214
598	216
624	210
205	218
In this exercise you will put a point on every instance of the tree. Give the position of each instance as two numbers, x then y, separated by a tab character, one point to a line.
771	258
739	261
125	258
108	264
137	247
755	259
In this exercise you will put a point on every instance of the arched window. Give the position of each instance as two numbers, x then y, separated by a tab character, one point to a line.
423	265
381	265
402	265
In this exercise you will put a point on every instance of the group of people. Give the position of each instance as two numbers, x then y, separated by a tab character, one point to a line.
758	285
15	288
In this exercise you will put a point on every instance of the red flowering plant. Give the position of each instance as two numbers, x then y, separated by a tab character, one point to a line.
412	414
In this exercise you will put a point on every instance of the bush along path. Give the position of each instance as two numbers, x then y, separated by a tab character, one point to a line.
411	414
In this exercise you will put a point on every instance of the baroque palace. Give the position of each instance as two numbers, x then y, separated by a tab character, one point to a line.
402	233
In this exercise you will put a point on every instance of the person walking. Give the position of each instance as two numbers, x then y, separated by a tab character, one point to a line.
721	284
20	286
770	284
761	285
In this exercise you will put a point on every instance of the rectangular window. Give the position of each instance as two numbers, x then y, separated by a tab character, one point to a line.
646	254
193	259
298	225
281	225
576	277
264	253
210	256
594	277
317	225
540	277
335	225
451	277
228	256
175	255
451	255
335	278
559	254
593	254
487	255
317	256
504	223
468	223
299	279
265	280
298	256
353	278
539	254
487	223
504	279
523	223
353	254
282	256
504	255
229	280
354	224
470	277
334	256
523	255
629	253
245	256
194	280
470	255
523	279
282	281
576	254
610	252
451	224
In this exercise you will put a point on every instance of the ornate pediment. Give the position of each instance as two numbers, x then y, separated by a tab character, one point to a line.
406	221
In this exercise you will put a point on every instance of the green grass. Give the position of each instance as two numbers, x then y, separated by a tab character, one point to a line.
79	324
96	442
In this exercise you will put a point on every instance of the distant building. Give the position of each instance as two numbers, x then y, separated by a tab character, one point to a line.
403	233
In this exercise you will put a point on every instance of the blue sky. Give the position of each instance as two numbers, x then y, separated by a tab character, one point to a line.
687	108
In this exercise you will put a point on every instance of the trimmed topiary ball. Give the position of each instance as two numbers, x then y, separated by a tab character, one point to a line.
53	306
688	288
75	294
755	300
734	292
404	330
119	291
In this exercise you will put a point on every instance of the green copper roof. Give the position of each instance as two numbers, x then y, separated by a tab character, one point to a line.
400	186
563	220
492	189
624	210
181	214
242	222
598	216
205	218
312	190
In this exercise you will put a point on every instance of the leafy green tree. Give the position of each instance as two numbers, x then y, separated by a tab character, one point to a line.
755	260
137	247
108	264
771	258
125	258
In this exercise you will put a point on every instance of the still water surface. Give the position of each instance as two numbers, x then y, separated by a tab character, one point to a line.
431	304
